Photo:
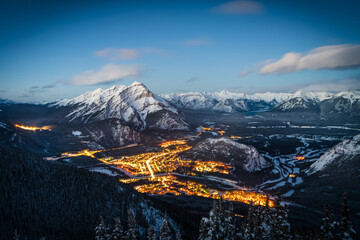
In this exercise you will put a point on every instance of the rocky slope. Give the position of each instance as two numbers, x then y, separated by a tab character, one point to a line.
136	105
229	151
341	156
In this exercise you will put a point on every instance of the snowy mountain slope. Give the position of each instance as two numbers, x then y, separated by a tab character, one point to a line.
322	102
225	101
229	151
325	102
344	152
299	101
134	105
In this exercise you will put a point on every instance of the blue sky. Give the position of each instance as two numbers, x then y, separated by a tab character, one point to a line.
51	50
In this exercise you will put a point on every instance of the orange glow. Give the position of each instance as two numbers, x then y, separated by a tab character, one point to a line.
171	185
236	137
171	143
292	175
300	158
221	132
30	128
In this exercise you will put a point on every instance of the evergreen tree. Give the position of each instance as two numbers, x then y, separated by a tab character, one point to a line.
280	229
117	233
16	235
328	228
100	230
165	233
229	223
345	228
178	235
151	235
248	226
204	229
132	232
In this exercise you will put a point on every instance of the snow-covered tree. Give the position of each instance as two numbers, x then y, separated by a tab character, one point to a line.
101	230
345	227
132	232
165	233
204	229
328	228
280	229
151	235
178	235
229	223
16	235
117	233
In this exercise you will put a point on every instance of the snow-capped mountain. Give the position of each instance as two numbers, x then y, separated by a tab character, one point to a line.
324	102
341	154
226	150
225	101
136	105
347	102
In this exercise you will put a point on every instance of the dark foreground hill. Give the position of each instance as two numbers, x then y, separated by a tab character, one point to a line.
40	198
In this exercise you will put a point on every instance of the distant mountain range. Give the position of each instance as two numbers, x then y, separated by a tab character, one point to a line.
321	102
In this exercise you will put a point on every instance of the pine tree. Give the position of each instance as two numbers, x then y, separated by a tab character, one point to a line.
165	233
280	229
178	235
100	230
204	229
16	235
117	233
328	228
151	235
248	226
132	232
345	228
229	223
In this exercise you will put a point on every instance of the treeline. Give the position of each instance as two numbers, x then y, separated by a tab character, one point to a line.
266	223
262	223
117	232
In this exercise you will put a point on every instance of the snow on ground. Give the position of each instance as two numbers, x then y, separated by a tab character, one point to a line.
76	133
104	171
289	193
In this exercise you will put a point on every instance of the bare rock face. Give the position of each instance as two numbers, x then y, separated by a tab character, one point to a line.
229	151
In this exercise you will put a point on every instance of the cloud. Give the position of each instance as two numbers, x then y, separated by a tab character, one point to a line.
333	85
34	87
256	67
332	57
107	74
239	7
191	80
196	42
118	54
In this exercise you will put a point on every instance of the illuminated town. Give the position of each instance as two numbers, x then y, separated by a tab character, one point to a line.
32	128
161	170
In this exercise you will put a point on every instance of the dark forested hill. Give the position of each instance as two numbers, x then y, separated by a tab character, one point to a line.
40	198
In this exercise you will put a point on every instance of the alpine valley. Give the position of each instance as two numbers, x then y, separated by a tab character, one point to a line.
169	156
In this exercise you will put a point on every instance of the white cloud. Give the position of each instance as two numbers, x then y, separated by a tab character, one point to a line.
118	54
333	86
196	42
108	73
332	57
239	7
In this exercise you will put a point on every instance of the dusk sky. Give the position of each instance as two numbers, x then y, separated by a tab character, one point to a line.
60	49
